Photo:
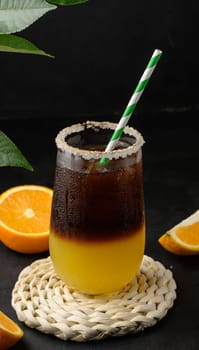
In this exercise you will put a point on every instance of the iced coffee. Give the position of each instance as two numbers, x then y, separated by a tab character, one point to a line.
97	233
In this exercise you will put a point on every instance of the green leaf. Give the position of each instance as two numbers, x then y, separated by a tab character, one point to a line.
13	43
10	155
67	2
16	15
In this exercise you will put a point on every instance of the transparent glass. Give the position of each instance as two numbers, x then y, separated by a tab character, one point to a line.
97	234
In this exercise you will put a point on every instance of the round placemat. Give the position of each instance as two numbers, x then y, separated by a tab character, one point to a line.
43	301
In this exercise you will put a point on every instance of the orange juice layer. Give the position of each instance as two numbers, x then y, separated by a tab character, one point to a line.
97	267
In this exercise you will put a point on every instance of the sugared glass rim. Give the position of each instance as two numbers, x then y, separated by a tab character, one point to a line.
91	154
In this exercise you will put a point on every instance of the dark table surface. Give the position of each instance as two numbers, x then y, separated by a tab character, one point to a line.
171	183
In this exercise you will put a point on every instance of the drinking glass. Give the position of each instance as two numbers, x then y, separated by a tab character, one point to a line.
97	234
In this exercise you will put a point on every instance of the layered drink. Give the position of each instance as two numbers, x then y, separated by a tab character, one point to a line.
97	233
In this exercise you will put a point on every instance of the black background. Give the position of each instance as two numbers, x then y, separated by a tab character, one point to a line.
101	49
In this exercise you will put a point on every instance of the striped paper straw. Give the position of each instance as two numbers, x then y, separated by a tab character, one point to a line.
132	103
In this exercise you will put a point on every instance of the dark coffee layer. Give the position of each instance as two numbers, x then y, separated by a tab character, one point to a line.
97	206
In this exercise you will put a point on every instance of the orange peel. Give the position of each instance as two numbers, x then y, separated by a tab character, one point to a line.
10	332
183	238
25	218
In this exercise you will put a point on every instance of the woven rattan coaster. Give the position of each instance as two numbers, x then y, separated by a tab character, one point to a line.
44	302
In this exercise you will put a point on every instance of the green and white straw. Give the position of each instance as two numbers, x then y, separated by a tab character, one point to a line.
132	103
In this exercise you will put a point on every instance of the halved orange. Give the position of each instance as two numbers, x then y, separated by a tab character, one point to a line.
25	218
10	332
183	239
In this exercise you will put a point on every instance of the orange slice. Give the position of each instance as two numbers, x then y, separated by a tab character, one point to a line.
25	218
10	332
183	239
